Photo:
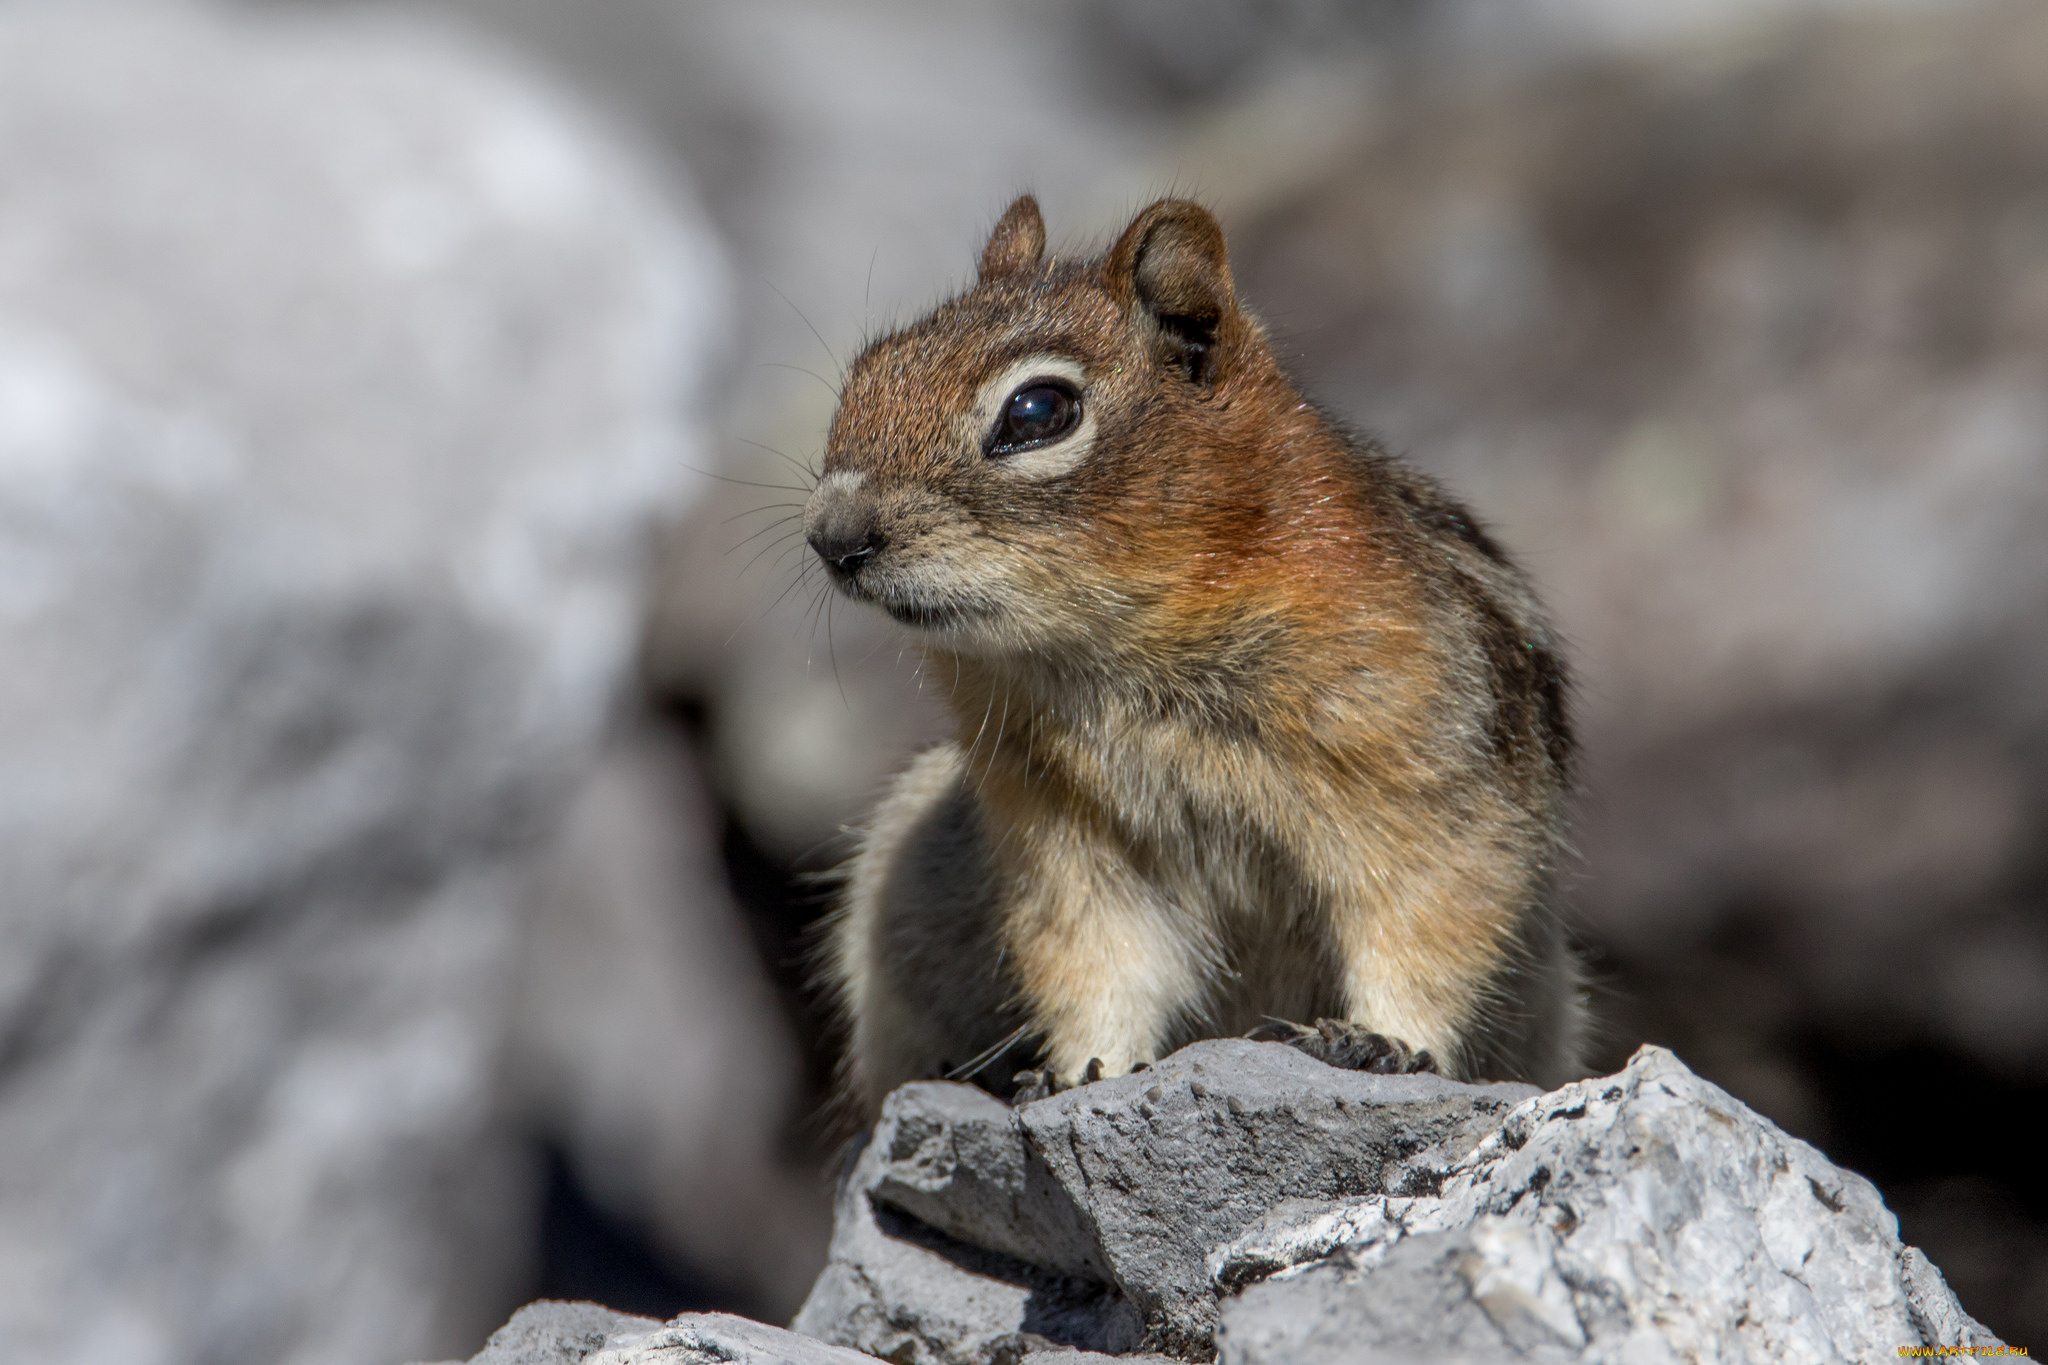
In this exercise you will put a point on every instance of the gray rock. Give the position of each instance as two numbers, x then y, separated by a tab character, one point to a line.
720	1339
341	370
553	1332
1421	1308
1334	1216
1087	1219
1642	1217
1647	1216
897	1288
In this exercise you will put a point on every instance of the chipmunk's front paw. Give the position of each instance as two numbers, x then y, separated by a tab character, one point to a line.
1027	1086
1038	1085
1353	1047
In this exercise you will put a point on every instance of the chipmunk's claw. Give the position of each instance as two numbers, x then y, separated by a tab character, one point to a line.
1029	1086
1353	1047
1039	1085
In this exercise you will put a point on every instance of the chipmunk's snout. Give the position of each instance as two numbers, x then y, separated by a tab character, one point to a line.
843	524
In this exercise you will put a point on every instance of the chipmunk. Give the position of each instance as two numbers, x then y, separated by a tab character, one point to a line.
1254	722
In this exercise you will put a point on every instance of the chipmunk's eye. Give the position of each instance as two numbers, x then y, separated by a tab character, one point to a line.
1043	410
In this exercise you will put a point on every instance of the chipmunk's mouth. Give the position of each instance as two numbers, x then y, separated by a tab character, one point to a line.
921	609
913	614
934	615
909	597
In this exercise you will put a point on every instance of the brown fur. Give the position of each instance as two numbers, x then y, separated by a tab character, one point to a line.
1253	720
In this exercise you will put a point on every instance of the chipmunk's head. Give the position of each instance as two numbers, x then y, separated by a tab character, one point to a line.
1044	454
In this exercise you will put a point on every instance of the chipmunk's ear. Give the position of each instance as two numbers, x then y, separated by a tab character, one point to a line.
1171	267
1018	243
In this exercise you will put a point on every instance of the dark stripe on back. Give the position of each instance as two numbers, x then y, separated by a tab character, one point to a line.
1527	682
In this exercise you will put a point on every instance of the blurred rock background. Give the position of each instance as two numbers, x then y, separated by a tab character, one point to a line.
410	752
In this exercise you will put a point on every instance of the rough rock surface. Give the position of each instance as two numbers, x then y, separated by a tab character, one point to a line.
720	1339
341	369
1329	1215
1085	1219
556	1333
550	1333
1647	1216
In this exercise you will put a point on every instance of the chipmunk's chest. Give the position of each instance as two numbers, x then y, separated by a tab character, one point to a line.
1209	838
1242	890
1216	824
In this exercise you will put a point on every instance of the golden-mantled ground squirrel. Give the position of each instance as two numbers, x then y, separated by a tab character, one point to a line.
1255	724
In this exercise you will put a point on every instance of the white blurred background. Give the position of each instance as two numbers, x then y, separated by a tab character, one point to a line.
414	735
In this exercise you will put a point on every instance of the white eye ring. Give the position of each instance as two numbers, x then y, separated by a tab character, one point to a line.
1055	455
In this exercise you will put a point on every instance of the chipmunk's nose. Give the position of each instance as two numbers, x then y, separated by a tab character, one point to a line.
842	524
